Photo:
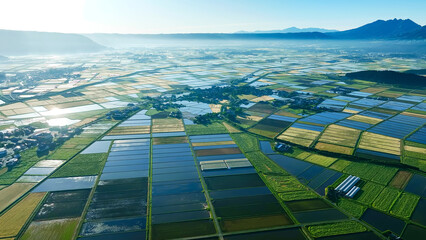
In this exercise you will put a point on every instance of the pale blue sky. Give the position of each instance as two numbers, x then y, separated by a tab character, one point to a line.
183	16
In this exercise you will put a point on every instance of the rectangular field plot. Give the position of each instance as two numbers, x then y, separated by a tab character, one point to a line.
217	151
132	136
382	221
212	128
39	171
298	134
417	185
177	194
167	125
365	102
319	215
82	165
373	172
130	130
398	126
419	136
365	119
233	181
380	143
320	160
400	179
65	204
262	108
49	163
332	229
332	104
354	124
51	230
240	212
127	159
121	198
307	205
210	138
113	226
11	193
338	135
97	147
291	233
397	106
170	140
14	219
64	184
334	148
325	118
386	199
418	215
272	125
291	165
183	229
411	98
374	114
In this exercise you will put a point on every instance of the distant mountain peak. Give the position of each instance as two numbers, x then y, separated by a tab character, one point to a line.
31	42
380	29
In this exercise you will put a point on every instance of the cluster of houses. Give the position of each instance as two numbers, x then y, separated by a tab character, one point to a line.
120	114
14	141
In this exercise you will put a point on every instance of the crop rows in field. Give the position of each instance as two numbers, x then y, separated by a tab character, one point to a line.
352	207
369	193
376	173
320	160
380	143
213	128
130	130
386	199
167	125
299	136
339	135
401	179
365	119
334	148
14	219
331	229
405	205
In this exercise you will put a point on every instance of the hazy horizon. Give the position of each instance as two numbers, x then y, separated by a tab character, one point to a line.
190	16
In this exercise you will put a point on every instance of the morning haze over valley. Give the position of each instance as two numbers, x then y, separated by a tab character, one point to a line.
226	120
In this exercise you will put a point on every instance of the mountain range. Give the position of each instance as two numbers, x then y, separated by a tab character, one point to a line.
28	42
292	30
395	28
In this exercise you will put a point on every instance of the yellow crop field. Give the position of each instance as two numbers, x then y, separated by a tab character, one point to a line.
338	135
299	136
380	143
230	128
167	125
413	114
321	160
130	130
334	148
263	98
365	119
9	194
12	221
215	107
415	149
350	111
